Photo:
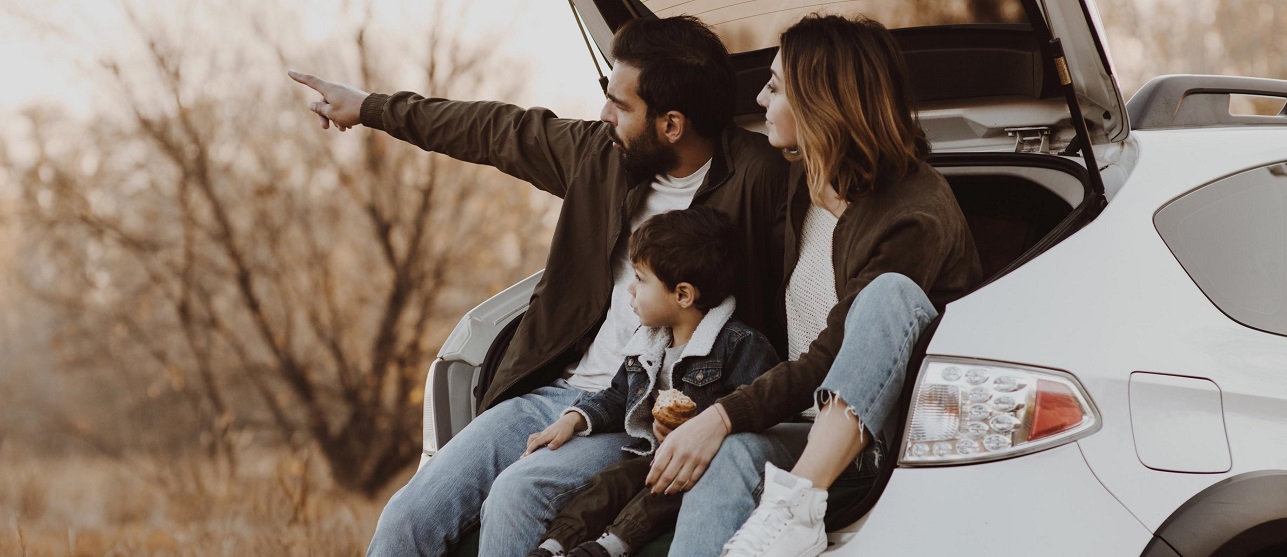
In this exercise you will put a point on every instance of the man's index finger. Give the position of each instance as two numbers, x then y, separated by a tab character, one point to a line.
308	79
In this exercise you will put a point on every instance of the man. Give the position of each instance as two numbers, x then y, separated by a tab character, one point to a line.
665	141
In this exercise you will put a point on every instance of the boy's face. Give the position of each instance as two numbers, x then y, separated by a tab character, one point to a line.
656	305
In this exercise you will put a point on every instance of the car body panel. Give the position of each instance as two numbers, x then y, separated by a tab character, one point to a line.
1047	503
486	320
450	397
1111	300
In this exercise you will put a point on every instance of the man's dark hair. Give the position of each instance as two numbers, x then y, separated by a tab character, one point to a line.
683	66
697	245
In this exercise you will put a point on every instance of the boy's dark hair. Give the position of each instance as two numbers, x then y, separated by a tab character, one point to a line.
683	66
697	245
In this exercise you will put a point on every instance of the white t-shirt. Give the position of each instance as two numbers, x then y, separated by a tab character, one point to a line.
594	371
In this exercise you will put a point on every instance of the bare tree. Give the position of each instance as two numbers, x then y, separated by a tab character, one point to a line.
257	276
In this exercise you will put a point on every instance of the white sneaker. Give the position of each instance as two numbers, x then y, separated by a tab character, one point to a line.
788	522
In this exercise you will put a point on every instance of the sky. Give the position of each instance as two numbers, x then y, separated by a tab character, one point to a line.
44	65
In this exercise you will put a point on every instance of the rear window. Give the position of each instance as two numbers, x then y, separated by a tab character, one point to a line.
747	25
1231	238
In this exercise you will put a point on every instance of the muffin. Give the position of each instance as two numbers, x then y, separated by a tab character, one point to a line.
673	408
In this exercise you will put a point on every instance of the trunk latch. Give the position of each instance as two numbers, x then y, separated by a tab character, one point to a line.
1030	140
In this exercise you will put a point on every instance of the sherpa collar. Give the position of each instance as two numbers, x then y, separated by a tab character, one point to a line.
652	341
648	345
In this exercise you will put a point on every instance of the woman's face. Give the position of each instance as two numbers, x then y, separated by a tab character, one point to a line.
778	116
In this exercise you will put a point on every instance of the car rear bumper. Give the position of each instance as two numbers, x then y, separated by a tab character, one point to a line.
1047	503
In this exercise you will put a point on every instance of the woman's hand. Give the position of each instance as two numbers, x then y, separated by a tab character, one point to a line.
683	457
660	431
557	434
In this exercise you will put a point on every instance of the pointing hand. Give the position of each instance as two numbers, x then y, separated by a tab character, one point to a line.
340	103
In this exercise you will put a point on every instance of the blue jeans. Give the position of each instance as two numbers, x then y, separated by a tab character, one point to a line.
478	477
880	331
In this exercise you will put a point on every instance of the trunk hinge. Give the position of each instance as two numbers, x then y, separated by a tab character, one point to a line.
1034	139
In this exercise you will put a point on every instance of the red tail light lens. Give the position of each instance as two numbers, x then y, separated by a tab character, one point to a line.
973	411
1056	410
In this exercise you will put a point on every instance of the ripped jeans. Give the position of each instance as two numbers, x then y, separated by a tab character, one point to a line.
880	332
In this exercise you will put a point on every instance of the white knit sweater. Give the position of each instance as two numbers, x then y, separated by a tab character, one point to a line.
811	292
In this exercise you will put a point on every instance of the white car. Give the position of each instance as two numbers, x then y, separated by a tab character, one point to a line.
1118	386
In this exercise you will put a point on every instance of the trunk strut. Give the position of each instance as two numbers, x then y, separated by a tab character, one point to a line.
580	25
1055	50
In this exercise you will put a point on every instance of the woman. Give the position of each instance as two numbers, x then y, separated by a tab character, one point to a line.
882	227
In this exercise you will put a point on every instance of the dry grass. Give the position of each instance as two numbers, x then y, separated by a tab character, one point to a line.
274	504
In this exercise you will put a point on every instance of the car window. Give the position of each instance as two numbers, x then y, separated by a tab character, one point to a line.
752	25
1231	237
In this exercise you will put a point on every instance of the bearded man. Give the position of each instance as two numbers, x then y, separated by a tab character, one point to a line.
665	140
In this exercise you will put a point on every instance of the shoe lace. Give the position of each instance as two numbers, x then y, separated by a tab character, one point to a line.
764	526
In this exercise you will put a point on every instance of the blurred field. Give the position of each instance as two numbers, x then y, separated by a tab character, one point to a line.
277	504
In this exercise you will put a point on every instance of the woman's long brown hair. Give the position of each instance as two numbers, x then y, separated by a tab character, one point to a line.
846	82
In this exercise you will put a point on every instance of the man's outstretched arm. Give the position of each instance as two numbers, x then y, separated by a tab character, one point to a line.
530	144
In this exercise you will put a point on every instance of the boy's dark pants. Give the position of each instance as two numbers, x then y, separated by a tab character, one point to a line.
616	492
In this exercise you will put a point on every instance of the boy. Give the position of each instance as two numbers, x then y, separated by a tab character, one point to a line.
684	265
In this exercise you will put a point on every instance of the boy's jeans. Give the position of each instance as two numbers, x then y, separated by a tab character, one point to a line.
880	332
479	475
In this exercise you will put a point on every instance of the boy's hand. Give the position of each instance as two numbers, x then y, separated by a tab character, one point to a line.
660	431
557	434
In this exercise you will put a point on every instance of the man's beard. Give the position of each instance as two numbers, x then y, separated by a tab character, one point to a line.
646	155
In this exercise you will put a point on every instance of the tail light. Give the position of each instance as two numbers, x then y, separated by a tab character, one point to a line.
974	411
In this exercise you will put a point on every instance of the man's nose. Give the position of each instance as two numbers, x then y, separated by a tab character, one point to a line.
607	115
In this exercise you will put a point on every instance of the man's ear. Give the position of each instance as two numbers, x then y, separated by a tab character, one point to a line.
672	126
686	295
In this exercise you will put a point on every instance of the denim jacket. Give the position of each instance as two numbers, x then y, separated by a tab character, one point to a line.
721	355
